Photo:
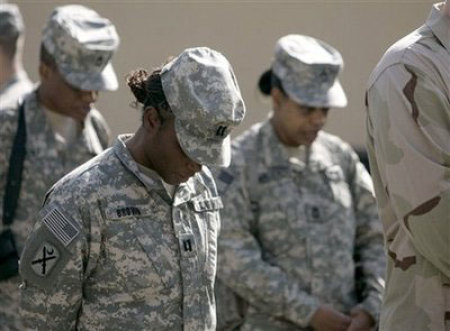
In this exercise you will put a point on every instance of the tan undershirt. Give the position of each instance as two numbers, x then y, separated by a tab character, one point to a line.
65	128
150	174
298	155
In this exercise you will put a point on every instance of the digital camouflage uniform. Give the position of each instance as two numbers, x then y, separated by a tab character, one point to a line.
409	149
290	230
14	89
81	44
112	250
44	164
125	255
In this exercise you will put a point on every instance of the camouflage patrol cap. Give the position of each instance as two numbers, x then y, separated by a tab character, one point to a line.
202	91
308	69
11	22
82	44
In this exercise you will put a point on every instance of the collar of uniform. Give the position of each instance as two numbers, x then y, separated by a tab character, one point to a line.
152	183
439	23
183	192
319	154
275	154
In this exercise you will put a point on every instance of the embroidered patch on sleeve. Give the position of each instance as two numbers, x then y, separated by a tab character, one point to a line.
44	259
61	226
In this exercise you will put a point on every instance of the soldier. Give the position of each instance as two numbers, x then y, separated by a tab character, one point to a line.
14	81
408	139
54	130
128	241
300	211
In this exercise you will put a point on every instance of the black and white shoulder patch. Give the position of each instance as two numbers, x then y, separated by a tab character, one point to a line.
45	258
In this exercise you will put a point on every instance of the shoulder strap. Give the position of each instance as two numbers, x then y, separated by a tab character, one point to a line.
14	179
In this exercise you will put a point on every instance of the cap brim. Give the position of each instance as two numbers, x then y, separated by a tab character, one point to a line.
204	151
101	81
332	98
336	97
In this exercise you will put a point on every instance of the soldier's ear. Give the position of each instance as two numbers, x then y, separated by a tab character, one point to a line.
277	98
44	71
150	119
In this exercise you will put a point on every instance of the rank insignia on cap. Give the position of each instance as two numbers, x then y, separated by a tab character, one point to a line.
64	229
222	131
45	259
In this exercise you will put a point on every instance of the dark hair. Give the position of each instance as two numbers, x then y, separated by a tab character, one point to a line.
46	58
268	81
148	91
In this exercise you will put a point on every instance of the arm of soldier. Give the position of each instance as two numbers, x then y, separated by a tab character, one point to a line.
51	270
413	145
241	266
368	237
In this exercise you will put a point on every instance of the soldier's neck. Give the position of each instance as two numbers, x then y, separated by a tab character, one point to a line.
9	69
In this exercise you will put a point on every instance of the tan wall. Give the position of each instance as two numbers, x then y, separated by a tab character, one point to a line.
246	32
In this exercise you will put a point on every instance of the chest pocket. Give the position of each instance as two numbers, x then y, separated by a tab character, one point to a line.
328	195
279	224
140	249
208	224
339	186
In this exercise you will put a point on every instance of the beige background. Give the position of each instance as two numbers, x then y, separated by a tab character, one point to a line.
245	32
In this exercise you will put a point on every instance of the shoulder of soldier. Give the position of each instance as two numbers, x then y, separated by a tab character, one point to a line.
84	180
334	143
400	53
245	155
245	146
338	151
248	137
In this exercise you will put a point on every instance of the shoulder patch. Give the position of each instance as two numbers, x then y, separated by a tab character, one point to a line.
44	259
64	229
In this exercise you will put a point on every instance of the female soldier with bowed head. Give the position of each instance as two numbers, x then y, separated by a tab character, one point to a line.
299	207
127	241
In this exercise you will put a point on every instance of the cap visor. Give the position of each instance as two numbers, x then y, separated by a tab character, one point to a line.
336	96
209	152
333	97
102	81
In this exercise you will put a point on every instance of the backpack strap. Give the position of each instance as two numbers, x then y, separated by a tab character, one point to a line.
14	176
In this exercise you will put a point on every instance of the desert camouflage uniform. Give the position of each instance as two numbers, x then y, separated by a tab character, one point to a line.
44	164
13	90
126	256
290	230
409	150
